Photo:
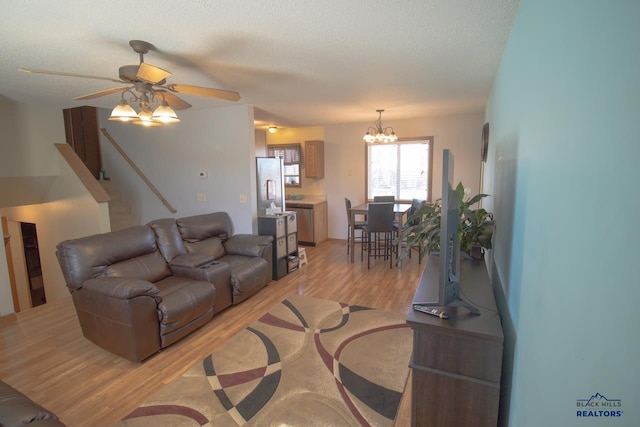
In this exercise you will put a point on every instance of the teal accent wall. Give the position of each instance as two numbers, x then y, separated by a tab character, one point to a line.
563	170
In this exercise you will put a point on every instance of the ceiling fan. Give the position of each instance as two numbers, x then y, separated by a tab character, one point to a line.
146	84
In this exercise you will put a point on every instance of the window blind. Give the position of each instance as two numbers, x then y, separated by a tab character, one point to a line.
289	153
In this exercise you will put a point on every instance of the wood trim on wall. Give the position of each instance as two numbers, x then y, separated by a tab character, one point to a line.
83	173
12	275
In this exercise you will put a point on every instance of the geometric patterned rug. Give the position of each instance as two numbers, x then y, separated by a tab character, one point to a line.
308	362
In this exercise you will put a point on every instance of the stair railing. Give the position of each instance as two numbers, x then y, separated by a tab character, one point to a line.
83	173
138	171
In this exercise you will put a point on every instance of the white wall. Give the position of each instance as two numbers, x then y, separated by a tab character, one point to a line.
562	166
30	162
220	142
26	169
345	158
71	213
24	129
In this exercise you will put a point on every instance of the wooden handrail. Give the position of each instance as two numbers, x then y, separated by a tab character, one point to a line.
82	172
138	171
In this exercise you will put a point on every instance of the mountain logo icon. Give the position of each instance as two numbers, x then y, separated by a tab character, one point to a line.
599	400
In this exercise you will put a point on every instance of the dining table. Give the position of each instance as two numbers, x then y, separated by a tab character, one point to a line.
399	209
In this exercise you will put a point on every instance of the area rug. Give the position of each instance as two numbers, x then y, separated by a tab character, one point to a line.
308	362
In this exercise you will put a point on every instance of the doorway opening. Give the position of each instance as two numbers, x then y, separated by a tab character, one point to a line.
32	260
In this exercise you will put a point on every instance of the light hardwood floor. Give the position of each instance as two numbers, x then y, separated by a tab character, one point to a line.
44	355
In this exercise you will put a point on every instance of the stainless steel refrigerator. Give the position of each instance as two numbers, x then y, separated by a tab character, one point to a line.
270	177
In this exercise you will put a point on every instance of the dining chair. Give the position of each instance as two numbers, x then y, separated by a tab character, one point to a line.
383	199
357	225
415	205
379	232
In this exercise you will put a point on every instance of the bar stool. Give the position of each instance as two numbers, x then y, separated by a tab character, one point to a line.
302	256
379	231
357	225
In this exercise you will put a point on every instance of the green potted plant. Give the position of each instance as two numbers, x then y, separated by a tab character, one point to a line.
475	227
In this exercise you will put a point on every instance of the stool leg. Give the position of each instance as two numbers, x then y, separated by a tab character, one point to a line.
302	254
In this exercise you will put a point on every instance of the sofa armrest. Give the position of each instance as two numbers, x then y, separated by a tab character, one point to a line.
122	319
122	287
191	260
247	245
17	409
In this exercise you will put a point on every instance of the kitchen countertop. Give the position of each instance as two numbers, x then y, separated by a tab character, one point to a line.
307	200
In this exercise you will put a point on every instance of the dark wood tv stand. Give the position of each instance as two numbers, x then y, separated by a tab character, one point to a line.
456	362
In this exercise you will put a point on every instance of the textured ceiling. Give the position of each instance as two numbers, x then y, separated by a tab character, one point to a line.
300	63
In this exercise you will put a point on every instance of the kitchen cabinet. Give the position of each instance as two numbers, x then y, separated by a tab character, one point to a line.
312	221
314	159
284	229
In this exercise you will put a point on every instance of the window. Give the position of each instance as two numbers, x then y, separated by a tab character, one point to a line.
402	169
290	154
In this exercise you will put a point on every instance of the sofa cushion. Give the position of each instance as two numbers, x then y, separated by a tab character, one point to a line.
121	287
168	238
88	257
151	267
234	260
201	227
183	300
248	277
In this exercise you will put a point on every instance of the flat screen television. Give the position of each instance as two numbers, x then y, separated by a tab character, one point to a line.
449	259
449	289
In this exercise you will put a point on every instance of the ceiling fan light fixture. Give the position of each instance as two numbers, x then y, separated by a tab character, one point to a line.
148	87
165	114
123	112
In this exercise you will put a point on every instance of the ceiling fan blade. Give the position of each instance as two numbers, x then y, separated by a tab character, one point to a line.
58	73
204	91
151	74
102	93
175	102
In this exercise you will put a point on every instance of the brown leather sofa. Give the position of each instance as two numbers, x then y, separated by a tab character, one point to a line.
141	289
16	409
185	241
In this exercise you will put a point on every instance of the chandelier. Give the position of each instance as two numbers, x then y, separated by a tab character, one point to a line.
162	114
378	134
